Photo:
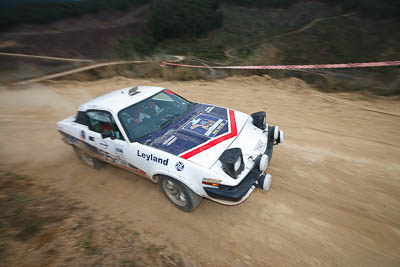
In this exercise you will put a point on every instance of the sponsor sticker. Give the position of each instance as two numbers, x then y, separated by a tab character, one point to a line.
170	140
112	159
83	135
179	166
209	109
151	157
119	152
103	144
205	125
260	147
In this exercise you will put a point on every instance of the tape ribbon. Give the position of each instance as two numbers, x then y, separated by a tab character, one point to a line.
293	67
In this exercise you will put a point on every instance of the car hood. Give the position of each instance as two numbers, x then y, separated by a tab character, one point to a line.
201	135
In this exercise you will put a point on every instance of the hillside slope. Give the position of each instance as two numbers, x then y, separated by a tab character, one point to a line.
311	32
90	36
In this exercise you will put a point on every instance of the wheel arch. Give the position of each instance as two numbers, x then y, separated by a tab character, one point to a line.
195	188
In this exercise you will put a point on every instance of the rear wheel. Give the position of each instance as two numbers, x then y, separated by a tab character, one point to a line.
179	194
87	159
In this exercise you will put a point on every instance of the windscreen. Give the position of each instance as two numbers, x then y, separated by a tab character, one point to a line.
152	114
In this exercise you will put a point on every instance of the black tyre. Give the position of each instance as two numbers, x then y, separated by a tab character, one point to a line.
179	194
87	159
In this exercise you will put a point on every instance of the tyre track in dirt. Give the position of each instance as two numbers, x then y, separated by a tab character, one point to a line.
334	200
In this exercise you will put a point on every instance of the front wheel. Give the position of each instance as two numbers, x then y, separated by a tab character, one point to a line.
179	194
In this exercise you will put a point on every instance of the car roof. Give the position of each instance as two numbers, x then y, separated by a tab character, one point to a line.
120	99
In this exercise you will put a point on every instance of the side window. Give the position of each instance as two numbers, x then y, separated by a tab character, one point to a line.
101	121
82	118
163	97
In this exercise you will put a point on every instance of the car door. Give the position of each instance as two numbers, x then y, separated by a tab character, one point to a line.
105	135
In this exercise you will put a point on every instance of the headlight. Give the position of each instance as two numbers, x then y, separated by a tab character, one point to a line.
262	162
232	162
259	119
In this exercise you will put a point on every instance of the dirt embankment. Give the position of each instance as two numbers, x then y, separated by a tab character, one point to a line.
89	36
66	44
334	199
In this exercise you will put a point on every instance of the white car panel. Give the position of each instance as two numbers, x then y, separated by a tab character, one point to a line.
191	167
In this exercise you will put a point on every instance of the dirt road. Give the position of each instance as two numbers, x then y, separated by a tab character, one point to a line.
335	194
80	69
45	57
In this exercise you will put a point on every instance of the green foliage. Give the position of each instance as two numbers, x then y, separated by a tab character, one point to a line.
129	48
264	3
30	229
128	263
373	8
343	40
36	12
183	18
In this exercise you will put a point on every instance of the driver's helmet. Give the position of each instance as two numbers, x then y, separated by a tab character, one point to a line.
151	108
106	127
140	114
136	115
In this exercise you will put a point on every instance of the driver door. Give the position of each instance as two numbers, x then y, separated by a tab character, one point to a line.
112	148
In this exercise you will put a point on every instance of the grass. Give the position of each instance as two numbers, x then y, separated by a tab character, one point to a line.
29	230
2	249
346	40
342	40
49	226
87	244
136	234
15	176
154	249
243	26
128	263
42	12
19	210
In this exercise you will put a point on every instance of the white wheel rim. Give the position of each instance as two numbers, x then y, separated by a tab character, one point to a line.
174	192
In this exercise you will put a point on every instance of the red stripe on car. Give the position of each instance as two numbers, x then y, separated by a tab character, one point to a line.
168	92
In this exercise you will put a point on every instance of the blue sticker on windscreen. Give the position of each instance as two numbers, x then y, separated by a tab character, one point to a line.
205	125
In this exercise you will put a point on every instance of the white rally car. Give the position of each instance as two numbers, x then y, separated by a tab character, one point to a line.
192	150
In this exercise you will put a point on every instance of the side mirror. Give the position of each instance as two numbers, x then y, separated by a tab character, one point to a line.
108	134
